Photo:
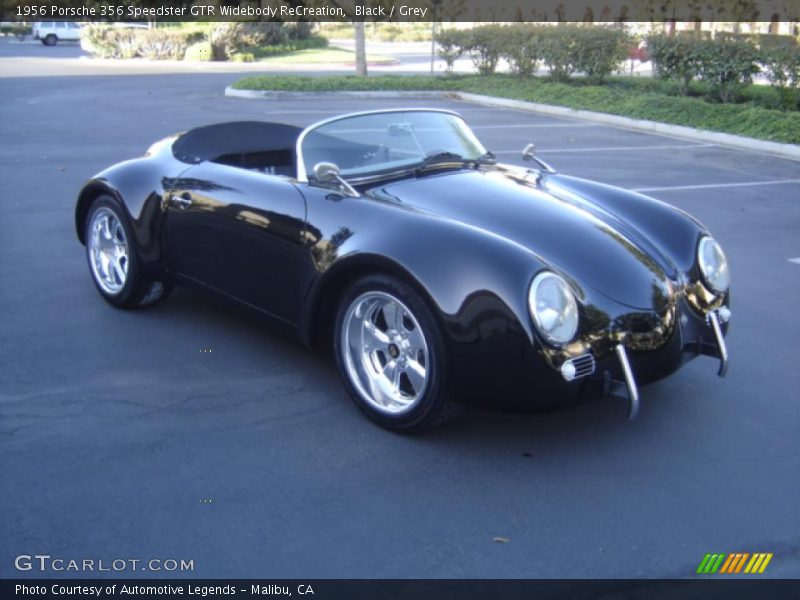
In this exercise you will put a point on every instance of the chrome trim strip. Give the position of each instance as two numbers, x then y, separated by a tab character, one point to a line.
630	382
713	320
302	174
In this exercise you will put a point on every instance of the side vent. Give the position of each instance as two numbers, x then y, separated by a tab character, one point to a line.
578	367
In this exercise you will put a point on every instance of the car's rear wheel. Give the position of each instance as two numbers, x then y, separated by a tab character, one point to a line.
112	257
50	39
391	353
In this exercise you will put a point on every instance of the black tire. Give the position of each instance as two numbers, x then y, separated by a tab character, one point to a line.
137	290
50	39
435	406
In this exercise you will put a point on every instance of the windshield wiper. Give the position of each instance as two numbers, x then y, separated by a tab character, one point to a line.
441	157
487	158
444	158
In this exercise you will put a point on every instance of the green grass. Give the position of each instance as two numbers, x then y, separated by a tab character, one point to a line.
621	96
331	55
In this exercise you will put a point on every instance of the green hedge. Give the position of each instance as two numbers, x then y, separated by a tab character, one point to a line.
724	64
158	44
728	63
288	47
226	40
596	51
782	65
16	29
625	99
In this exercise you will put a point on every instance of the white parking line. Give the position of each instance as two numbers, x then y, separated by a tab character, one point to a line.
518	125
610	148
795	260
717	185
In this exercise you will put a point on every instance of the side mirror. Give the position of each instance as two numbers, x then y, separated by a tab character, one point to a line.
528	152
326	172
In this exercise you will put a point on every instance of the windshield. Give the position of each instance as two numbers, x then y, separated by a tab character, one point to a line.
367	144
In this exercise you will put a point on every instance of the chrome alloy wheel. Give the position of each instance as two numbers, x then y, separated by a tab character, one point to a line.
108	251
385	352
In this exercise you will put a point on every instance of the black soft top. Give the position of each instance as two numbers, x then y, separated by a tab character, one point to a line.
237	137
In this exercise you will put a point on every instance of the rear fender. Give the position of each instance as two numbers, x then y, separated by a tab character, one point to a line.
138	186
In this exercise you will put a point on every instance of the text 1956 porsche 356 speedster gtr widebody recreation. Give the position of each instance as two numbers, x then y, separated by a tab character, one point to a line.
441	276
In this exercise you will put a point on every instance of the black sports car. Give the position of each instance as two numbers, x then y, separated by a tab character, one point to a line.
441	276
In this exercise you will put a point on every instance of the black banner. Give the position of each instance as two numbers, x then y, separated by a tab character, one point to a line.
402	10
377	589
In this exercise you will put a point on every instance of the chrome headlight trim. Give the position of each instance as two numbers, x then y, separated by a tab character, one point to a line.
553	308
713	265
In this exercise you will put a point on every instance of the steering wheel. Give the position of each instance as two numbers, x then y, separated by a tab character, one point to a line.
379	155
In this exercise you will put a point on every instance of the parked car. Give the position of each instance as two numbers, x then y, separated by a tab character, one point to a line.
52	32
441	276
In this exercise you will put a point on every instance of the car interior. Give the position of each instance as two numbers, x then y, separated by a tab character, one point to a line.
253	145
269	147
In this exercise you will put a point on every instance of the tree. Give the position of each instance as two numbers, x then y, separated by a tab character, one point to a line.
361	46
361	50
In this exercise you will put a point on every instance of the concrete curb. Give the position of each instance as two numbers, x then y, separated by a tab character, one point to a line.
791	151
278	95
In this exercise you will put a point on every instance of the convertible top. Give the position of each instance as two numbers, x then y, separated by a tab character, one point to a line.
212	142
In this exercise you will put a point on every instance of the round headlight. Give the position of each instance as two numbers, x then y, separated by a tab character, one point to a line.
553	308
713	265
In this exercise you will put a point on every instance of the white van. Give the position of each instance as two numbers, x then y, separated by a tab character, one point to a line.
52	32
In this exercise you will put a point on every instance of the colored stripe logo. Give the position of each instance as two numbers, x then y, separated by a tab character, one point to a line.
736	562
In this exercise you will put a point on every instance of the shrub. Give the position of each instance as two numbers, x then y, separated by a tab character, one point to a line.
452	43
162	44
677	57
158	44
521	48
298	30
599	50
201	51
484	45
16	29
110	42
782	62
243	57
558	50
728	65
228	38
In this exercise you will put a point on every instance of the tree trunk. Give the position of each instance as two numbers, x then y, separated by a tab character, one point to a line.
361	50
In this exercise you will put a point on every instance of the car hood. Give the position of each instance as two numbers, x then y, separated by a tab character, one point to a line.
578	238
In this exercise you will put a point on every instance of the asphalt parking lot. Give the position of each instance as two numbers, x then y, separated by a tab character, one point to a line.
120	438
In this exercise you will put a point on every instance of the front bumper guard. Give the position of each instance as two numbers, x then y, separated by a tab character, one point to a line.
713	319
629	391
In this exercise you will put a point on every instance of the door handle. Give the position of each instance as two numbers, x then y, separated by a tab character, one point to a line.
183	200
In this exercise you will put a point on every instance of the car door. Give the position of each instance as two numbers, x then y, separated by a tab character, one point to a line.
241	233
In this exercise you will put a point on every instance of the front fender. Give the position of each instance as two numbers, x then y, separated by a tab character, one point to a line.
476	281
674	231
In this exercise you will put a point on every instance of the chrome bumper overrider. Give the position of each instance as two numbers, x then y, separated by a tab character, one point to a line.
713	319
628	390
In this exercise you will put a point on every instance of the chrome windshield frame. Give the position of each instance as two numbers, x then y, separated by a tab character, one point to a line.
302	171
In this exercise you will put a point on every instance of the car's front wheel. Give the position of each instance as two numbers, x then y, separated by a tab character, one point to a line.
113	261
391	353
50	40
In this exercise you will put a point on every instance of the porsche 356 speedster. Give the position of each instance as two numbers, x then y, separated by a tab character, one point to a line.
438	275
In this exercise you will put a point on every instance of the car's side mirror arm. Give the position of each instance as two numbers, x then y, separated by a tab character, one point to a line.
529	153
327	174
